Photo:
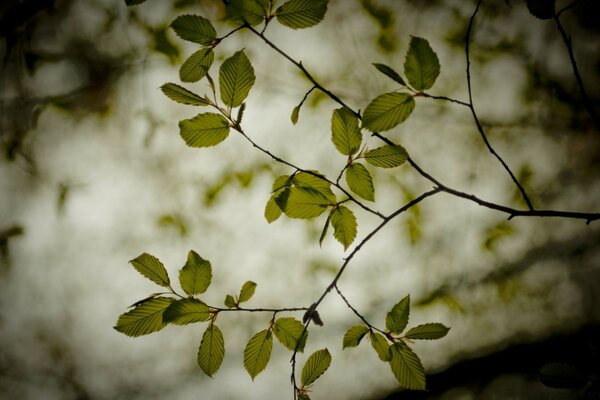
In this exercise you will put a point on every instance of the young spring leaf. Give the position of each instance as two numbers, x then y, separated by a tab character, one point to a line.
196	274
252	12
298	14
407	367
295	115
312	182
421	65
298	202
325	229
145	318
182	95
388	110
197	65
236	77
345	133
354	335
281	182
360	182
390	73
247	291
212	350
186	311
204	130
303	396
427	332
344	225
194	28
290	333
258	352
151	267
272	210
315	366
388	156
381	346
229	301
397	318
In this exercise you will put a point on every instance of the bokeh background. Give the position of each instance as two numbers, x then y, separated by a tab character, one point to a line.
94	173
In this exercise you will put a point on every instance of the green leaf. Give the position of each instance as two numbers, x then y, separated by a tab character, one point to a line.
344	225
236	77
303	396
194	28
258	352
197	65
240	113
252	12
298	202
272	210
354	335
390	73
151	268
212	350
381	346
397	319
312	182
229	301
388	110
182	95
542	9
290	333
324	231
186	311
282	182
298	14
196	274
427	331
561	376
247	291
360	182
145	318
388	156
204	130
407	367
315	366
421	65
345	133
295	115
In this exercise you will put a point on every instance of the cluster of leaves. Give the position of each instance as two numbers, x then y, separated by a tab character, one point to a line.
303	194
156	311
392	346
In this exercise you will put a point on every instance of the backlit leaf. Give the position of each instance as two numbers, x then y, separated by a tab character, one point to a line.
182	95
290	333
247	291
345	133
315	366
298	14
354	335
388	156
360	182
197	65
186	311
388	110
407	367
295	115
325	229
236	77
145	318
194	28
381	346
252	12
427	331
196	274
421	65
312	182
344	225
258	352
397	318
281	182
272	210
212	350
229	301
390	73
204	130
151	268
299	202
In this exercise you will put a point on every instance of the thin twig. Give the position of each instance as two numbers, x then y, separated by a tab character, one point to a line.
462	103
372	327
476	118
568	7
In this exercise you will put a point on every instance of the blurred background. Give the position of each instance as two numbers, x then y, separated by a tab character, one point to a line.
94	173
